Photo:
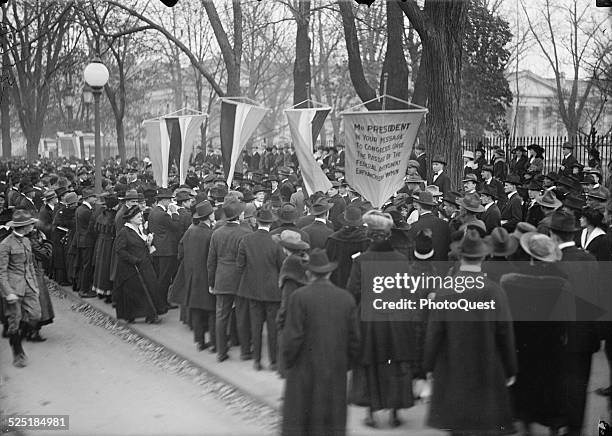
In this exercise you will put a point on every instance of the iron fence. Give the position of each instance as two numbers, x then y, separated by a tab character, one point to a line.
552	146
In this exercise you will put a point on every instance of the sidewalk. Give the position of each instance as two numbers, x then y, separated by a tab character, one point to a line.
266	387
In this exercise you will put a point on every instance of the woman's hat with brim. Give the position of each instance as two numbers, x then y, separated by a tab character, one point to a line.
203	210
232	209
131	213
318	262
291	240
468	154
501	242
540	247
21	218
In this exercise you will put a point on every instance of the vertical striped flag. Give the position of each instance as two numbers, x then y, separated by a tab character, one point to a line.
305	125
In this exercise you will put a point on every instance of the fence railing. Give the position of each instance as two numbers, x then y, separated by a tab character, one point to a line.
552	145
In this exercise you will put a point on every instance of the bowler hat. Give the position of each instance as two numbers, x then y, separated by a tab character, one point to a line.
287	213
472	245
163	193
562	221
540	247
131	194
232	208
549	200
501	242
203	210
424	197
470	177
318	262
440	159
21	218
291	240
471	202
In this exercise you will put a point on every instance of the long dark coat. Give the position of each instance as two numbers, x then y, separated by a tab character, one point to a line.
190	287
319	341
42	250
471	357
340	247
129	295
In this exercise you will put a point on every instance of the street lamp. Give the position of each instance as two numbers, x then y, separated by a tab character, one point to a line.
88	98
69	104
96	76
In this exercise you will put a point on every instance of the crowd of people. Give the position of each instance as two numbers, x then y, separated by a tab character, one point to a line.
262	251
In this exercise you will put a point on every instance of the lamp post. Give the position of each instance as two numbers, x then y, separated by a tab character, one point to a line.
69	104
96	76
88	98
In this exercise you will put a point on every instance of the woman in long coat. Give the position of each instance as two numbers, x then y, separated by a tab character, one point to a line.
135	286
105	229
190	288
42	250
390	351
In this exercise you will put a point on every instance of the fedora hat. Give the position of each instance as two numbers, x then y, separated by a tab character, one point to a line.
232	209
351	217
287	213
377	220
203	210
21	218
49	195
574	202
131	194
320	206
477	225
131	213
435	190
318	262
488	168
472	245
469	154
265	215
451	197
522	228
489	190
513	179
562	221
471	202
572	183
567	146
501	242
162	193
424	197
470	177
534	185
183	196
540	247
259	188
549	200
291	240
440	159
71	198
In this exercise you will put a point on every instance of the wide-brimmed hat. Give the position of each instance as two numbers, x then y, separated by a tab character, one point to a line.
318	262
451	197
513	179
183	196
265	215
488	190
435	190
549	200
439	158
232	209
572	183
351	217
522	228
574	202
203	210
469	154
534	185
470	177
71	198
320	206
423	245
562	221
287	213
131	194
540	247
501	242
131	213
471	202
472	245
21	218
424	197
377	220
163	193
535	147
291	240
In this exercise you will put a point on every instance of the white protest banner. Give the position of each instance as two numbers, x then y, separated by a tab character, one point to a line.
378	145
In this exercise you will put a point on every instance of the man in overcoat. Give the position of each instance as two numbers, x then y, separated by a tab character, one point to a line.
190	288
425	203
259	262
318	231
320	340
512	209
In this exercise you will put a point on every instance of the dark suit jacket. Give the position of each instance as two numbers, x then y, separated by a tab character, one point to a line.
185	220
566	163
223	275
422	160
85	237
440	234
443	182
491	217
318	234
286	191
166	232
45	220
258	263
534	214
512	212
499	188
309	219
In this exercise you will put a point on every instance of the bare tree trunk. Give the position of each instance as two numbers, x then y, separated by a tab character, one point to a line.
395	64
5	121
301	67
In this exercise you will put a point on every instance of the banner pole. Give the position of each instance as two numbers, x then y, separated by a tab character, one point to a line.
386	79
308	95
